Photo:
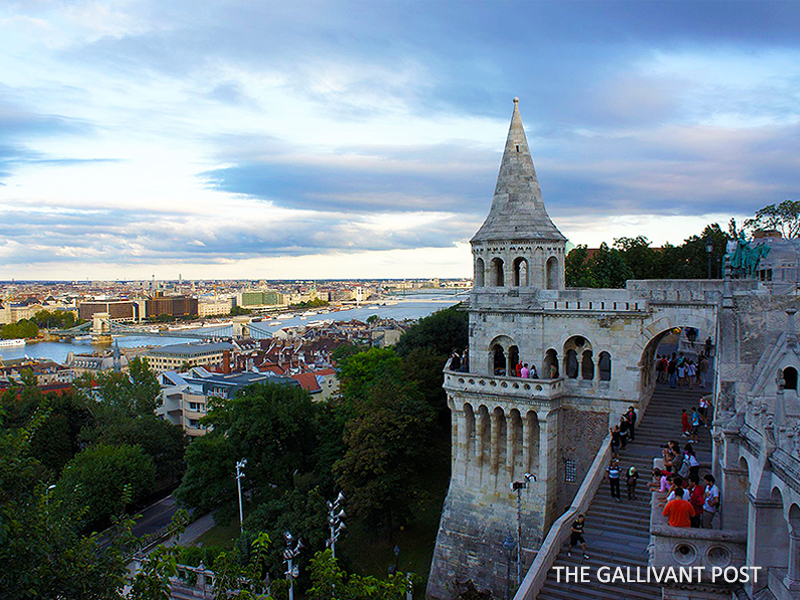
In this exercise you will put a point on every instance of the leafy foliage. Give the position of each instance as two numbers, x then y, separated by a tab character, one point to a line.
442	332
21	329
783	217
59	319
330	581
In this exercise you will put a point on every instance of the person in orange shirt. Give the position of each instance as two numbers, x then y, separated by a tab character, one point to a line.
679	511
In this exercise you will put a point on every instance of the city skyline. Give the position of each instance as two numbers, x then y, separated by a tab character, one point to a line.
355	140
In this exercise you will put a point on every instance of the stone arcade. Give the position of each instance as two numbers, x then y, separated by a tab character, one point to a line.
601	344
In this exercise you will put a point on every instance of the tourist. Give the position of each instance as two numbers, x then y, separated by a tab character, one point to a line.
553	371
667	457
455	361
616	440
681	370
679	511
711	501
696	499
702	369
623	431
523	372
518	369
696	422
675	484
613	473
685	425
672	371
533	374
659	369
465	361
631	417
691	374
576	535
690	458
702	408
631	480
691	335
660	484
708	346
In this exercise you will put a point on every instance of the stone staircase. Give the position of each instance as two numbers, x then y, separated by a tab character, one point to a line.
618	533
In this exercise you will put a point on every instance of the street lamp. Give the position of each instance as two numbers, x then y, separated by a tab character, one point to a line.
50	488
509	544
518	486
289	554
335	522
239	474
709	250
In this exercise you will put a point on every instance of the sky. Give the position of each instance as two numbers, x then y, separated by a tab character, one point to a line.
269	139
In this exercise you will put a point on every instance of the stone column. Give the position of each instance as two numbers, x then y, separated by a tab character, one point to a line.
548	469
764	520
495	455
461	450
792	579
512	434
526	446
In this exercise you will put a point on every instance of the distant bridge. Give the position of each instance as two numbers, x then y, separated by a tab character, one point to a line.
102	328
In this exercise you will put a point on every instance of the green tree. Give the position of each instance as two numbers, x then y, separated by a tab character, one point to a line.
443	331
58	439
386	442
639	256
21	329
60	319
360	371
578	268
135	393
103	477
209	482
372	318
609	269
784	217
330	581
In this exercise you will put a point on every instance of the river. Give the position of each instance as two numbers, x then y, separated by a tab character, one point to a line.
410	307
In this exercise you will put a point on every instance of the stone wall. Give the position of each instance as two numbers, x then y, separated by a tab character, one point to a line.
580	436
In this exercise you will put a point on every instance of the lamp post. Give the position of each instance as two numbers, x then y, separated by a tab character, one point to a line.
518	486
335	522
709	250
509	544
239	474
50	488
289	554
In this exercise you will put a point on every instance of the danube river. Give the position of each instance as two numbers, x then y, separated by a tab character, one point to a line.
412	307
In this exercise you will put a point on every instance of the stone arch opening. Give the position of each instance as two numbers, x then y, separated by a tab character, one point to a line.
513	360
790	380
498	273
671	338
587	365
498	360
480	272
553	274
571	364
550	364
520	272
604	366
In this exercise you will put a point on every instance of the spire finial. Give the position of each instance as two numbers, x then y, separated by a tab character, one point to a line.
516	100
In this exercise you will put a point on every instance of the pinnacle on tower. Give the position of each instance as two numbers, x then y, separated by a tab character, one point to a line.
518	210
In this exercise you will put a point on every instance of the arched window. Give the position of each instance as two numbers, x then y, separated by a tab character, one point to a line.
553	274
571	364
499	365
479	272
790	378
587	365
550	366
498	276
520	272
604	366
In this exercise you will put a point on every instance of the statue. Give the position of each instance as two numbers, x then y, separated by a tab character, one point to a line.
743	260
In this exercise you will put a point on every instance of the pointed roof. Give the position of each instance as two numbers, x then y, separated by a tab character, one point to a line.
518	210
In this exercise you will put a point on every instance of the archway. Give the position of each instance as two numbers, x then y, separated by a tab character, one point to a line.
513	360
553	274
550	365
480	272
790	379
666	343
587	365
499	361
604	366
571	364
498	274
520	272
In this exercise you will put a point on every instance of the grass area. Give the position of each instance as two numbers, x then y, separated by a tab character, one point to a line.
370	553
223	536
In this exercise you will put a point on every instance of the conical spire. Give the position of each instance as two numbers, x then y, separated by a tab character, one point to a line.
517	208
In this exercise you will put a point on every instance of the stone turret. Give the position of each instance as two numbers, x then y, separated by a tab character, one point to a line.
518	245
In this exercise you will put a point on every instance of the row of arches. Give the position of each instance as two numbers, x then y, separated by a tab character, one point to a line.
497	443
519	275
579	360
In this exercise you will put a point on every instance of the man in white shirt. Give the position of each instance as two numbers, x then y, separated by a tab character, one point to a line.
711	503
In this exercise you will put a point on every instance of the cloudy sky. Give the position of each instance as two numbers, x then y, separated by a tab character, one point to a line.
262	139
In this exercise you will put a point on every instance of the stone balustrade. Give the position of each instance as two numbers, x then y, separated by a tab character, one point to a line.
689	547
508	387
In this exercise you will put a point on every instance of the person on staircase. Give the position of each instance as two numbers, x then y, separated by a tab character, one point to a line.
672	372
685	425
631	479
576	535
623	431
616	440
613	474
696	423
696	498
631	417
711	504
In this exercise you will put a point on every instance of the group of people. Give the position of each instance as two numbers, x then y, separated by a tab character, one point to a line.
690	425
526	372
624	433
688	503
459	362
680	371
